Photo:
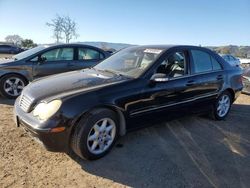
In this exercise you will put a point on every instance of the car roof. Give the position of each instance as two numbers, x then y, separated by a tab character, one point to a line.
68	44
169	46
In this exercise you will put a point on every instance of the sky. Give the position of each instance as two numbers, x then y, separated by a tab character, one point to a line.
194	22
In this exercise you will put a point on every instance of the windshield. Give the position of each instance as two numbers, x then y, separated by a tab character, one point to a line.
29	52
132	61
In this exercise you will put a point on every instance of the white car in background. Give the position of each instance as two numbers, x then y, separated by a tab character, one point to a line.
245	62
231	59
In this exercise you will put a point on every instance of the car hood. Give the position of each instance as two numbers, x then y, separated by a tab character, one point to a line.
69	83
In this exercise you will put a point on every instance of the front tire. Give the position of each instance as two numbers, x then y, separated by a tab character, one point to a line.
95	134
11	85
222	106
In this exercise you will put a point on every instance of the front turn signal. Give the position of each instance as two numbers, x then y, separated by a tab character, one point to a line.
57	129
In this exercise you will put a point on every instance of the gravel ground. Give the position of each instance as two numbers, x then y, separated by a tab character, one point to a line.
2	56
188	152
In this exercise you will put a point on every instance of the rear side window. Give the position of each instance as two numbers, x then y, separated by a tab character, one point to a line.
89	54
216	65
204	62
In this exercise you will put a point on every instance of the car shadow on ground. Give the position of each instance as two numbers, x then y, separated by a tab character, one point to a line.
6	101
188	152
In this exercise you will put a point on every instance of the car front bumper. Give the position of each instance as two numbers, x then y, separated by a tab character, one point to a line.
41	131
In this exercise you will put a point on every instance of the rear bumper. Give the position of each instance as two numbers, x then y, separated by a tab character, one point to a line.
237	93
57	142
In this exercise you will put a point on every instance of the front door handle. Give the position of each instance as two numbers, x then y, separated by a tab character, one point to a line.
190	83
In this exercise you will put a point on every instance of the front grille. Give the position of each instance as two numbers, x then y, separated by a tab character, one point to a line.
25	103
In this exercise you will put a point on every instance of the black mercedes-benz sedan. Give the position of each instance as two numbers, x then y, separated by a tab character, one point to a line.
45	60
87	110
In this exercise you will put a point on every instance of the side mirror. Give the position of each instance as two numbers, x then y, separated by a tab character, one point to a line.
41	59
159	77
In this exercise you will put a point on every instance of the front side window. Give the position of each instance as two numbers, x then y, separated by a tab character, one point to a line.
89	54
59	54
174	65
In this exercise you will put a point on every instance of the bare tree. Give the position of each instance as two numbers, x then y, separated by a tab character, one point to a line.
64	25
69	28
15	39
56	24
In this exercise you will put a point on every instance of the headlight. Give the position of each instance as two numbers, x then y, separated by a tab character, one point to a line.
45	110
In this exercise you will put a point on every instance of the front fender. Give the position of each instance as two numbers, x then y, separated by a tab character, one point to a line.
26	74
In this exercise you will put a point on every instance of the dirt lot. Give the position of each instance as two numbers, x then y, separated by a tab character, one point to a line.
2	56
188	152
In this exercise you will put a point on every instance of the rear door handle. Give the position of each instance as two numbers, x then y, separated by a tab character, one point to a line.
219	77
190	83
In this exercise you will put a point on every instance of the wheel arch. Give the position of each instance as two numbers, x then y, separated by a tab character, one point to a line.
15	73
118	112
231	91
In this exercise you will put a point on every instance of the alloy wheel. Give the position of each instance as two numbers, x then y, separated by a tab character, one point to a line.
13	86
101	136
223	105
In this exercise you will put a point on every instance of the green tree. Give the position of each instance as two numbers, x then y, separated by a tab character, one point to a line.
28	43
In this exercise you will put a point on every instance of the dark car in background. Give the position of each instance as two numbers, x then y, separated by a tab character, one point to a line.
45	60
87	110
246	80
231	59
9	49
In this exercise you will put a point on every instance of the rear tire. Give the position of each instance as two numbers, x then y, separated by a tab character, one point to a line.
11	85
95	134
222	106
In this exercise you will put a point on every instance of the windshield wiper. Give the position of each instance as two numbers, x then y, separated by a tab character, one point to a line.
112	72
107	70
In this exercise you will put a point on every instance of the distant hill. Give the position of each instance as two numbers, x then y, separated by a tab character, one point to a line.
108	45
238	51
